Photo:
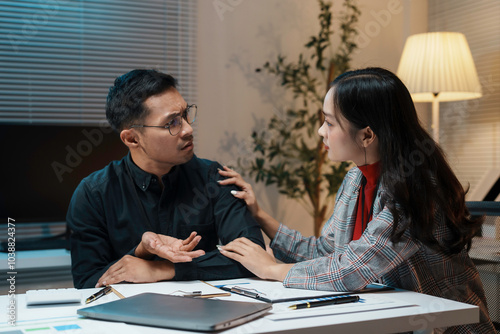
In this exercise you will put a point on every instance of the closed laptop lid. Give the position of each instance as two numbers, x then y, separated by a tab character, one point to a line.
200	314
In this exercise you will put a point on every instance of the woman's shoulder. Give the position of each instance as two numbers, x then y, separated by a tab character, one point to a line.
353	177
351	182
353	172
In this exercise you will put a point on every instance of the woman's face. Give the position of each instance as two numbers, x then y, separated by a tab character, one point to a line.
338	140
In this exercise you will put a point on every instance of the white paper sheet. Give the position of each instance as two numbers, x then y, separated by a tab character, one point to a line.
74	326
272	290
368	302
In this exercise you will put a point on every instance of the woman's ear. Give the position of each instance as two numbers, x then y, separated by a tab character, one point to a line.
367	136
130	138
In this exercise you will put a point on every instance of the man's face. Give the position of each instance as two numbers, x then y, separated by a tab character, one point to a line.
158	150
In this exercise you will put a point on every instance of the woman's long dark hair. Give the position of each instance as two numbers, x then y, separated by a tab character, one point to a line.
419	184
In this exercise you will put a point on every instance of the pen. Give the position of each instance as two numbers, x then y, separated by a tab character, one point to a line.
193	294
244	292
99	294
335	300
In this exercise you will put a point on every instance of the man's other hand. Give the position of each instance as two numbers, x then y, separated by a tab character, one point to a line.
135	270
169	248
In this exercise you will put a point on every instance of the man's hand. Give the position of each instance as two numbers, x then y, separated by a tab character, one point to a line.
172	249
135	270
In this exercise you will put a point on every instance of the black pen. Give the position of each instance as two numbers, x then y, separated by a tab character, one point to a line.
334	300
99	294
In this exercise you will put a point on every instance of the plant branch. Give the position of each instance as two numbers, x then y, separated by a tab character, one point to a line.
288	152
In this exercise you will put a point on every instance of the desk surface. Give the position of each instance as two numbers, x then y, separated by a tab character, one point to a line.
426	313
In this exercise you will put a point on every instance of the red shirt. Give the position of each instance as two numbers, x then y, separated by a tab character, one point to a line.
364	212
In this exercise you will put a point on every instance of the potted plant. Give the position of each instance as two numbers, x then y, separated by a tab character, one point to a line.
288	151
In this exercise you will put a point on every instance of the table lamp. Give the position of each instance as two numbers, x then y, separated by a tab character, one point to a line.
438	66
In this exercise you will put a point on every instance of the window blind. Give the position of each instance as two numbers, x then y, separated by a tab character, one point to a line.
58	58
471	129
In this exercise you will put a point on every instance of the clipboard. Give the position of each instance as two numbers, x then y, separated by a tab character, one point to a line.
271	292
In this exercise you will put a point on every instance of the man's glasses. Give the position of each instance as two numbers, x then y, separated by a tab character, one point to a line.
175	125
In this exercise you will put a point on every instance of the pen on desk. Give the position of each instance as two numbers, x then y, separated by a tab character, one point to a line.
99	294
333	301
244	292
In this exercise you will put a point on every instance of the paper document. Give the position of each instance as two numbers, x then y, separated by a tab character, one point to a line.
75	326
367	302
176	288
275	292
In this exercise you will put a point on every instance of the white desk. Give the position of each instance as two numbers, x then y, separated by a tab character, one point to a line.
428	313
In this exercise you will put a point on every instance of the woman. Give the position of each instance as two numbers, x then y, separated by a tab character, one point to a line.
400	217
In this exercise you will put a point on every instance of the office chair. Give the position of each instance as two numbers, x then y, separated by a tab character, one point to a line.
485	252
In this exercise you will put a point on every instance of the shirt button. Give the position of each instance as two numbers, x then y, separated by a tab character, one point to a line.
143	186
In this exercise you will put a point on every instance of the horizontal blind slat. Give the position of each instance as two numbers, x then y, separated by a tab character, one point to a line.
473	142
57	62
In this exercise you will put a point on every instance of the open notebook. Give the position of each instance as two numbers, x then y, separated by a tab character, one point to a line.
197	314
275	292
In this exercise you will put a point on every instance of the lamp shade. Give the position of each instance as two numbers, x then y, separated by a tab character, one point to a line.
439	66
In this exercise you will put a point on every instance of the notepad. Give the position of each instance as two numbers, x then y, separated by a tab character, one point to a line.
275	292
197	314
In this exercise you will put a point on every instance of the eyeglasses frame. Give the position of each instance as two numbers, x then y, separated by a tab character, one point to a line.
183	116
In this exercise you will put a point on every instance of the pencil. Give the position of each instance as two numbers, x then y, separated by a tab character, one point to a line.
221	294
117	293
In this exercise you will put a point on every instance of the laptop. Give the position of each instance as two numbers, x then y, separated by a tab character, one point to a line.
196	314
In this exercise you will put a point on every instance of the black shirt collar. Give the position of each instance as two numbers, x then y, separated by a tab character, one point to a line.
143	179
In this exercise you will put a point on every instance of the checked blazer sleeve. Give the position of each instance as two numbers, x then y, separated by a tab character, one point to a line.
333	261
353	266
290	246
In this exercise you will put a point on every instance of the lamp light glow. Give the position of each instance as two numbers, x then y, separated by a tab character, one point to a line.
437	67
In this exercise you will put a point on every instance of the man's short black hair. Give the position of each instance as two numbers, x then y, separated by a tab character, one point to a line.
125	101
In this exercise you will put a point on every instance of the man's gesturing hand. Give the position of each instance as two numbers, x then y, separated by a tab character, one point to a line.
172	249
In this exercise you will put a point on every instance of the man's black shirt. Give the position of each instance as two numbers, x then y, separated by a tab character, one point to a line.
113	207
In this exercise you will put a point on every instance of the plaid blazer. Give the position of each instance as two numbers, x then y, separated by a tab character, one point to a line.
335	262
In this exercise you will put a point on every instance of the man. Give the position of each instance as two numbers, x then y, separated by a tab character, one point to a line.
133	220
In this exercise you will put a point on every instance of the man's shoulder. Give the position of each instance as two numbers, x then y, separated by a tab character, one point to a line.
198	171
105	175
202	165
